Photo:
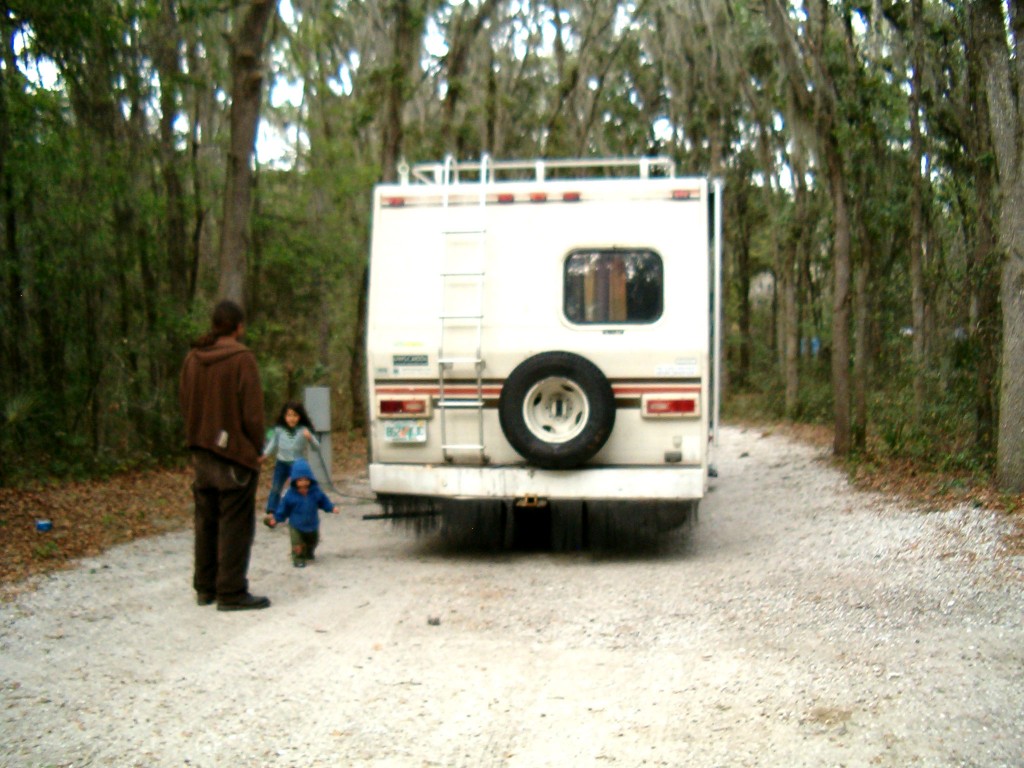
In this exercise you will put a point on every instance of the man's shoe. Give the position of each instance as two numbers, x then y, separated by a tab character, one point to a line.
245	603
205	598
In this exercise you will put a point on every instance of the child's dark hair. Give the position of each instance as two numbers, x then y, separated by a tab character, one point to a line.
292	405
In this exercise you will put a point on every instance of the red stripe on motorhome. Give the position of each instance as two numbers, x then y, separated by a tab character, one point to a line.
632	389
625	390
434	391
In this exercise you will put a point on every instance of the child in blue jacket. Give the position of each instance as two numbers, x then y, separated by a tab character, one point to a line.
301	506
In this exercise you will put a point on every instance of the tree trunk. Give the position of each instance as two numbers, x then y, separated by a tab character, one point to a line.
168	66
247	47
203	154
461	34
742	278
358	372
861	349
983	262
408	20
793	260
491	107
820	104
917	289
983	269
840	299
13	314
1005	82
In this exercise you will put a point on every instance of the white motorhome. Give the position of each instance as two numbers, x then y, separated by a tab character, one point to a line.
542	338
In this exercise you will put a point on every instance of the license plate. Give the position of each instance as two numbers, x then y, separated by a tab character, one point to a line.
405	431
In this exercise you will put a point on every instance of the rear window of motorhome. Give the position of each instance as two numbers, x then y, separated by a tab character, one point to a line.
613	286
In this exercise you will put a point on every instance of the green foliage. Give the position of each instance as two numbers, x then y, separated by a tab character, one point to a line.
15	433
17	411
98	309
766	402
46	550
313	233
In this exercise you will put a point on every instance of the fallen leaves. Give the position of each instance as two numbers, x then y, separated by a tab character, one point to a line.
87	518
90	517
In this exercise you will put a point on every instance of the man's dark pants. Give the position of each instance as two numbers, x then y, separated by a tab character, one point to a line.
225	525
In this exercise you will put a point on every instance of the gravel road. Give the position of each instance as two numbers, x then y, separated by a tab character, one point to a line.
801	623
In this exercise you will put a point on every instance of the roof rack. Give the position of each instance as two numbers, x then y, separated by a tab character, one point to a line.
485	170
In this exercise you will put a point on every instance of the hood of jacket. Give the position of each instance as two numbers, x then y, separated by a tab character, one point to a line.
300	469
221	350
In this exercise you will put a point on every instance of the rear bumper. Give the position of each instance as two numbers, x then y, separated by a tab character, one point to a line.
460	482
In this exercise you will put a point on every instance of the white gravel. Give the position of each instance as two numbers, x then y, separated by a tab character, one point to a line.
800	624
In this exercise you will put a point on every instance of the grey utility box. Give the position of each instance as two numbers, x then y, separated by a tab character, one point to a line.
317	401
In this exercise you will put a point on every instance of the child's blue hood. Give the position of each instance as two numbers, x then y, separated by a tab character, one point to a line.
301	468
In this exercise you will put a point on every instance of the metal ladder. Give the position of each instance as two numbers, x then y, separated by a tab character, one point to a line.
462	311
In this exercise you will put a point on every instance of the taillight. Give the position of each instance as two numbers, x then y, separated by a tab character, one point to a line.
399	407
670	406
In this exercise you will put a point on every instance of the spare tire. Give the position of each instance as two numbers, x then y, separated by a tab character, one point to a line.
557	409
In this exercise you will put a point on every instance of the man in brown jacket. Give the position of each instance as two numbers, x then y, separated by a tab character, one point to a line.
222	402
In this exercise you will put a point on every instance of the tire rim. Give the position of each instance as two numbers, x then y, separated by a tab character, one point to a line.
556	410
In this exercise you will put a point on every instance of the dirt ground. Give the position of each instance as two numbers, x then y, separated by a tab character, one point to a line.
800	623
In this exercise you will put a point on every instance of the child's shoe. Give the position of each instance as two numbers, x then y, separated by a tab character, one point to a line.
299	563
